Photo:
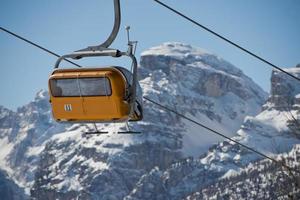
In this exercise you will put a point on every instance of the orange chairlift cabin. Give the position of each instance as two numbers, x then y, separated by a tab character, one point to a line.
93	95
105	94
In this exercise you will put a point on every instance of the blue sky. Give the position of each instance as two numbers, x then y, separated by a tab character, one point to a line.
270	28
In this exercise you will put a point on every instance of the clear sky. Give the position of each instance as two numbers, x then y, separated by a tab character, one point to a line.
270	28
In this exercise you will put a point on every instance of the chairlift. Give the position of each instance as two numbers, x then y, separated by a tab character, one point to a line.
103	94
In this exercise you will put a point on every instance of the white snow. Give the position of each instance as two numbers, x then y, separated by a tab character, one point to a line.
69	183
270	132
230	173
97	166
35	151
5	149
174	49
293	70
196	140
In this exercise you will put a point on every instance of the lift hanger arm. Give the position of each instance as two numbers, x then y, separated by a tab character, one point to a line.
116	27
113	33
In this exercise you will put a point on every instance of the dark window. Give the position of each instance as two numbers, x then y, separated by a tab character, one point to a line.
73	87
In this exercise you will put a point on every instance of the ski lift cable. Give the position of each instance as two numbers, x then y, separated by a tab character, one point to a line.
36	45
226	39
171	110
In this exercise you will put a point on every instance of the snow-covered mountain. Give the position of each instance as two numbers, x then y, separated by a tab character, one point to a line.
22	133
61	161
274	130
202	86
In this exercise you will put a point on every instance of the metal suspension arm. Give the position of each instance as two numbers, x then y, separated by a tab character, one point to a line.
116	27
114	32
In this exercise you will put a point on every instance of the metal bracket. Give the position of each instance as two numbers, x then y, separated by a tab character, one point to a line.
128	131
131	44
97	132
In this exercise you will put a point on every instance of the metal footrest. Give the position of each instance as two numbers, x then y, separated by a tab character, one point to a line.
129	132
96	133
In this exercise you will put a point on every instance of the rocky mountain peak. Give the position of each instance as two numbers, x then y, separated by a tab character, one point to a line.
174	49
201	85
176	52
4	112
284	89
41	95
203	72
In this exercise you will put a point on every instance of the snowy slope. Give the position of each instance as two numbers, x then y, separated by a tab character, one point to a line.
259	180
60	161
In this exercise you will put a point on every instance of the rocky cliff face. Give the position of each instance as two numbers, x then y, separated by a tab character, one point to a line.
268	132
284	91
59	161
202	86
